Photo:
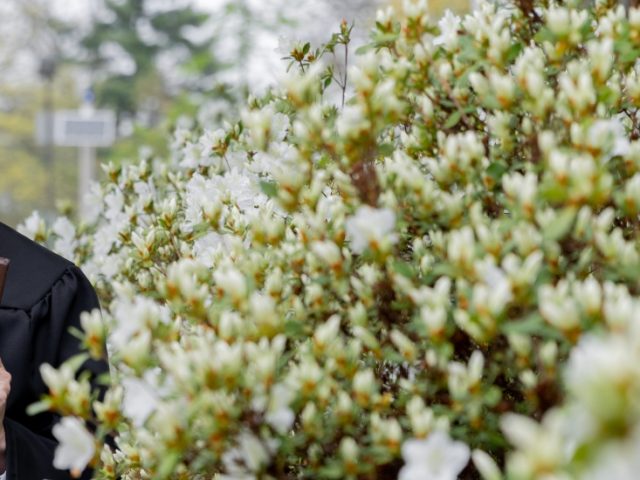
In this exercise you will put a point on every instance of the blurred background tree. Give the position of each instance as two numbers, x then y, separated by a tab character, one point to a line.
132	50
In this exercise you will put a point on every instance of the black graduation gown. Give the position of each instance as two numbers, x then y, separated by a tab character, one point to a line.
44	296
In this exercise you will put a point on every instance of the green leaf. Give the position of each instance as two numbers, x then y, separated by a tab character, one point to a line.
544	35
496	170
385	38
168	464
39	407
403	269
332	471
442	269
386	149
552	192
534	324
77	361
491	101
561	225
513	52
585	260
364	49
492	396
453	119
607	95
628	272
463	82
294	328
629	55
104	379
270	189
323	161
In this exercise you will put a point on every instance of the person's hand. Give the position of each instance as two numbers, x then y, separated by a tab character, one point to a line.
5	388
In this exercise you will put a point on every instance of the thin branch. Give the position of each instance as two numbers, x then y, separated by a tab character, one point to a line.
346	72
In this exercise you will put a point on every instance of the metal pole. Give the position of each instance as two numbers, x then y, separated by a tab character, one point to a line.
48	143
86	175
47	71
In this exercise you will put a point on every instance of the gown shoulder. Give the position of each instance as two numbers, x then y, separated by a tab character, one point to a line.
44	298
32	272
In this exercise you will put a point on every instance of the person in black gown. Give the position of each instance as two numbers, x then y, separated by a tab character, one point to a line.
43	298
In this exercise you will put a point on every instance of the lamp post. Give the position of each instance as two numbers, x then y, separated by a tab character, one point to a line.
47	71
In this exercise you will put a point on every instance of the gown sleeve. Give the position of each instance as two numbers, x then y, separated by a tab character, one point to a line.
30	443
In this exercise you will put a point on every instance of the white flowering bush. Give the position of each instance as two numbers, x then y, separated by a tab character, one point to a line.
437	280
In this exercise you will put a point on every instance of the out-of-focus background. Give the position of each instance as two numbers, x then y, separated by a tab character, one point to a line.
148	63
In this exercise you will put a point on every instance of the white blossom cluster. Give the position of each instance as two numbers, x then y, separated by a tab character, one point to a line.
438	280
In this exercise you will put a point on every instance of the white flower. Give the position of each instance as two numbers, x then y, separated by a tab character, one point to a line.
248	457
486	465
369	227
231	281
200	195
281	155
498	291
134	316
610	135
279	415
415	8
326	333
76	447
385	15
207	248
434	458
449	25
523	188
243	189
287	45
461	245
56	379
352	121
212	139
64	228
33	226
558	20
328	252
619	461
558	307
193	156
93	203
107	235
599	374
65	243
538	445
139	401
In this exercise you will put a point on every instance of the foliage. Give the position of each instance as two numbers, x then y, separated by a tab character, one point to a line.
447	264
134	32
